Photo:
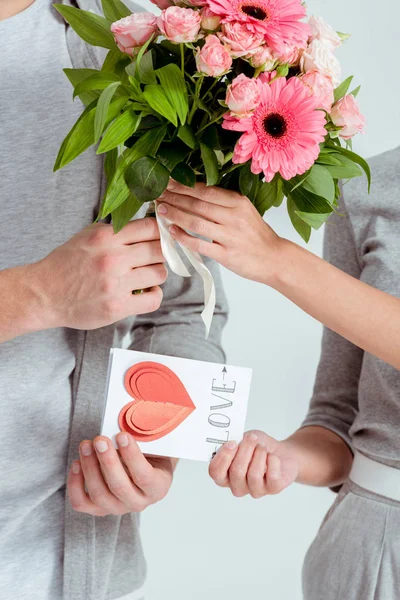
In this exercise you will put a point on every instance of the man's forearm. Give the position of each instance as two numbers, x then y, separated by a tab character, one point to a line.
22	309
324	458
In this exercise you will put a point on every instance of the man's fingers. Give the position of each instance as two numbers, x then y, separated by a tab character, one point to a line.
256	473
78	498
141	230
141	304
214	195
116	477
240	465
146	277
144	253
210	249
192	223
275	484
140	470
221	462
95	484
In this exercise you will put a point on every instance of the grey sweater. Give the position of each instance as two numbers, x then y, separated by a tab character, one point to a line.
357	395
52	383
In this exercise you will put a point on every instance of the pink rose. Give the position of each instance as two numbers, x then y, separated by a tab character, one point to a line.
320	30
318	57
132	32
263	57
196	2
240	39
346	113
209	20
163	4
243	95
214	58
179	25
290	55
321	87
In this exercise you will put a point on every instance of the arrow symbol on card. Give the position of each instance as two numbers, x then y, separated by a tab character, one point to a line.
224	371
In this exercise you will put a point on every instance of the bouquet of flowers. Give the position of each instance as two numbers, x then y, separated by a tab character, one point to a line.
241	94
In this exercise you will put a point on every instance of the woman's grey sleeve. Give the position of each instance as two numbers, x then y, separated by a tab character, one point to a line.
334	403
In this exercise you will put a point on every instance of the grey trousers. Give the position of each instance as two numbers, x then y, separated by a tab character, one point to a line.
356	554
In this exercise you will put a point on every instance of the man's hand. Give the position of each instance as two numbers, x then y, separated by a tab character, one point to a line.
87	282
259	466
117	483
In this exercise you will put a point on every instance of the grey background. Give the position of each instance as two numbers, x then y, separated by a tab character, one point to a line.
200	541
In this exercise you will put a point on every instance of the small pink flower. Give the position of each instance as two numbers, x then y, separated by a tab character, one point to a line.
214	58
163	4
240	39
179	25
196	2
320	30
243	95
290	55
346	114
321	87
209	20
132	32
263	57
318	57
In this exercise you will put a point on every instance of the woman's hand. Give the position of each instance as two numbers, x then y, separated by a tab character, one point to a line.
104	482
241	240
259	466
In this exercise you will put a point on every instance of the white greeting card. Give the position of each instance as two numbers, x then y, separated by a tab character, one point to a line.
174	406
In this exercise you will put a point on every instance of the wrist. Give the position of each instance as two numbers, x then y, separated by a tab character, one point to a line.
39	313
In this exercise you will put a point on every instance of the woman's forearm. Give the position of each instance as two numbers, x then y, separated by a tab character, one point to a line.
324	458
362	314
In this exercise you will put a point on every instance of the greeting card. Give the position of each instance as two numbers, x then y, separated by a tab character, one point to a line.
174	406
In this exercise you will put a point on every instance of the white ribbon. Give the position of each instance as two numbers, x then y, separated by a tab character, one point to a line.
177	265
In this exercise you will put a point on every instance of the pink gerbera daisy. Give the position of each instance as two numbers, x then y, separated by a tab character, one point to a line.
284	132
277	20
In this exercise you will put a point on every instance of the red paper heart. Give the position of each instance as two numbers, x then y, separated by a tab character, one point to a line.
160	404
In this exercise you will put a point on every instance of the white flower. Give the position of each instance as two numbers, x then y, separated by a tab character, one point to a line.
318	57
320	30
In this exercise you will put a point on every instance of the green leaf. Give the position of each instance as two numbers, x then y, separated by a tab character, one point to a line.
307	201
118	191
343	88
279	192
266	197
356	91
210	164
75	76
339	166
355	158
184	175
147	178
102	109
174	86
249	183
114	10
146	69
170	154
320	182
98	81
135	89
142	51
81	135
156	98
123	127
302	228
314	220
110	164
125	212
113	58
92	28
185	133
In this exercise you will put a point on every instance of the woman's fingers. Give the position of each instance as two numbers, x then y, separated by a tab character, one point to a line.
256	473
213	195
210	212
275	483
240	466
192	223
209	249
221	463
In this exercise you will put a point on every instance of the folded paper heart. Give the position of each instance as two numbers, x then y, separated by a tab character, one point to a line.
161	402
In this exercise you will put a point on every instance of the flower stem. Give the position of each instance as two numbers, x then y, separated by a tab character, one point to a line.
183	59
197	89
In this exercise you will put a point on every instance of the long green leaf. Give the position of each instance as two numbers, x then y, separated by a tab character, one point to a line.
266	197
307	201
210	164
118	191
343	88
355	158
102	109
320	182
92	28
302	228
174	86
114	10
146	70
249	183
125	212
97	81
158	101
75	76
121	130
113	58
81	136
315	221
185	133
